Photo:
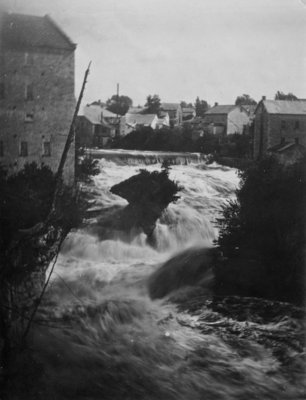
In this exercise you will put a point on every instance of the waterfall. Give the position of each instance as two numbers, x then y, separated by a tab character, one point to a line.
112	341
136	157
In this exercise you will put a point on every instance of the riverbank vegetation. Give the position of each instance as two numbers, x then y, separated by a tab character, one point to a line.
36	214
186	139
262	233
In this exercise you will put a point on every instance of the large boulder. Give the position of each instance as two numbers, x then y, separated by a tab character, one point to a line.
148	194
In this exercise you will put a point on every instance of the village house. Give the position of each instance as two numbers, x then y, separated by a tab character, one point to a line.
175	113
279	123
135	121
36	93
226	119
96	127
137	118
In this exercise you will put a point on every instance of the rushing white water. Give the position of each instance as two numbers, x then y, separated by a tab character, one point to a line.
116	343
188	222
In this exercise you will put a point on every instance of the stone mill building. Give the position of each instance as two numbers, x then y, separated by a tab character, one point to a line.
36	92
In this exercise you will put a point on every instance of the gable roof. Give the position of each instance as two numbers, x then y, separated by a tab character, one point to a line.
170	106
140	119
28	31
94	115
250	108
225	109
293	107
282	147
108	114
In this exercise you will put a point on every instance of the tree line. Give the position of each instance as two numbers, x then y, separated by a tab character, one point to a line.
120	104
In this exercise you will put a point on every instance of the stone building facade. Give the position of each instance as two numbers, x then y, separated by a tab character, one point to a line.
226	119
36	93
278	122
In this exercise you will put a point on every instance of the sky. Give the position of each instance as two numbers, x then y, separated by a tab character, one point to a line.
181	49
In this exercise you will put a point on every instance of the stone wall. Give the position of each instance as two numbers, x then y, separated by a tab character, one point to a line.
287	127
37	108
277	127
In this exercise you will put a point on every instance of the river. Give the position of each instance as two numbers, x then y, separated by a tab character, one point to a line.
110	340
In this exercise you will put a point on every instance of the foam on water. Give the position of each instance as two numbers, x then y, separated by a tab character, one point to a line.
115	342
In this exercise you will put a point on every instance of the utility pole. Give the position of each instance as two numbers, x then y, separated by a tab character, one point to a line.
118	123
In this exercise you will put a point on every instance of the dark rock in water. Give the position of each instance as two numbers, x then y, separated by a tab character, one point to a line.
243	322
148	194
192	267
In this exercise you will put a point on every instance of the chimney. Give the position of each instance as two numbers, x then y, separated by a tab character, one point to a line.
216	104
263	98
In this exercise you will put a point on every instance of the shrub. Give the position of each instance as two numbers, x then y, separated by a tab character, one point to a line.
86	167
268	221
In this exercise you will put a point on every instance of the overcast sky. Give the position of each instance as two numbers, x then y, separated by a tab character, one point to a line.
180	49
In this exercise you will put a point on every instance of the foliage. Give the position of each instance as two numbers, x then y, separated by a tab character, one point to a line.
201	106
237	145
268	221
245	99
184	104
282	96
26	199
181	139
119	104
86	166
153	104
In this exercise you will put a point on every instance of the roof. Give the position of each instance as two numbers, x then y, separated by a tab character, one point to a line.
293	107
250	108
28	31
281	147
139	119
94	115
107	114
170	106
221	109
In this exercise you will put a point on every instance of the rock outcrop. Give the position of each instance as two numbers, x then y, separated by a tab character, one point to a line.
148	194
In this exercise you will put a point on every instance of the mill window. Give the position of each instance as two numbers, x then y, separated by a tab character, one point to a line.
23	149
297	125
2	90
29	93
1	149
47	149
29	117
283	124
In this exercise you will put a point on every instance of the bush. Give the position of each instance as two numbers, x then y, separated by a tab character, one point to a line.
26	199
267	222
86	167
